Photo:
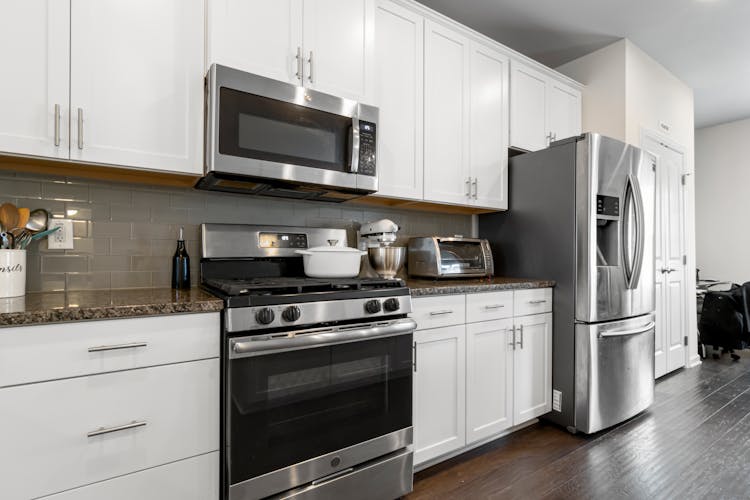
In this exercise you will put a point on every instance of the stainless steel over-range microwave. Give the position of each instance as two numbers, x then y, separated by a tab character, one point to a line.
269	137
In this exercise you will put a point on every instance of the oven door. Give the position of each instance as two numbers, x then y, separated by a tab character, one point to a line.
263	128
303	405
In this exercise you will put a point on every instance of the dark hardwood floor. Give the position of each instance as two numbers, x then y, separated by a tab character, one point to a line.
693	443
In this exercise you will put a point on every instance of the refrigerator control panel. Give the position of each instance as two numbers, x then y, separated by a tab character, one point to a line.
608	205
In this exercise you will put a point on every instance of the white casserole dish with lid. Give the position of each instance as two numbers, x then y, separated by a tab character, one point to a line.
332	261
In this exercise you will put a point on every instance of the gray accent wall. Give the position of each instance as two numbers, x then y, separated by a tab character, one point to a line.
125	234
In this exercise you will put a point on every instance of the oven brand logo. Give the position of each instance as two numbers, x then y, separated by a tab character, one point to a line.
18	268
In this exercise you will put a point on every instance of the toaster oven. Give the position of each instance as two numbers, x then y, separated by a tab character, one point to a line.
455	257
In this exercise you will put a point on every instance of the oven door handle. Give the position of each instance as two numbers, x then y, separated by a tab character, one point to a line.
261	345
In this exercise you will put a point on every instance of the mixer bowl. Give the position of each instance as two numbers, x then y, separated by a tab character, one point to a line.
387	261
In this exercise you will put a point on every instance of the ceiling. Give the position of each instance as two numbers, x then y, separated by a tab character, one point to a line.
703	42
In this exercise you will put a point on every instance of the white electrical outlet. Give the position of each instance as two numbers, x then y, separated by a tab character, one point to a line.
62	239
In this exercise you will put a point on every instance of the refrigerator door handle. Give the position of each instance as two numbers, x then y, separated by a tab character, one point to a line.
640	237
632	229
622	333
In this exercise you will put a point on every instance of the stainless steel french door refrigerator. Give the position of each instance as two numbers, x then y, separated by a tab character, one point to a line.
581	212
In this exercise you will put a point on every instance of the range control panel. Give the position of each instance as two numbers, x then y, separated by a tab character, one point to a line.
367	148
283	240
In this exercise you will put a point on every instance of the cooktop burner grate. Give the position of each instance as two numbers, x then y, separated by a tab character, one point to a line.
292	285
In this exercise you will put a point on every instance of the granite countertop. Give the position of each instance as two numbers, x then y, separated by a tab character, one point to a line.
423	287
37	308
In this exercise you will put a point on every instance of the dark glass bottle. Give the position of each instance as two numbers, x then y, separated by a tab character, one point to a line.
181	265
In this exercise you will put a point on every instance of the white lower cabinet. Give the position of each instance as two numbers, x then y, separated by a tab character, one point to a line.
439	391
478	379
195	478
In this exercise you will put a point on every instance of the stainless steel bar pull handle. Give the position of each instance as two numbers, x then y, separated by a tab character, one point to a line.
57	125
513	341
300	65
414	363
80	128
109	430
620	333
474	188
520	331
494	306
468	187
117	347
310	73
540	301
441	313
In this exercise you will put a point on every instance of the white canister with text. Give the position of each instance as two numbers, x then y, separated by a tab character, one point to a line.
12	273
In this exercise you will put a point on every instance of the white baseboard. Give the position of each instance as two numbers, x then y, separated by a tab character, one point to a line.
694	361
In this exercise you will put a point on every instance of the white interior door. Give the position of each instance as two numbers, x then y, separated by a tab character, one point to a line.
257	36
338	42
671	296
446	111
532	362
528	108
489	378
35	55
439	392
137	83
564	111
488	151
399	98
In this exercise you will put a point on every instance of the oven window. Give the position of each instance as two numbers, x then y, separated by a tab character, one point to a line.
460	257
261	128
289	407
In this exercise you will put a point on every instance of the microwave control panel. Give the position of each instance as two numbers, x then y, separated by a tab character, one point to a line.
366	148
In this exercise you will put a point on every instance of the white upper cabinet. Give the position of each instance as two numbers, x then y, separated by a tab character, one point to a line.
488	146
446	169
136	88
257	36
564	111
542	109
35	53
398	80
528	108
338	47
325	45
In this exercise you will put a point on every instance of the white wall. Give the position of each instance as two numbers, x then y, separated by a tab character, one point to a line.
722	179
631	94
603	73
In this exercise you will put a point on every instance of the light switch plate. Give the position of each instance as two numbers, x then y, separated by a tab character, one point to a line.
62	239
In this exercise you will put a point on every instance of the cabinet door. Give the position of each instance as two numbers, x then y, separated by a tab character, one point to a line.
532	367
439	392
257	36
35	52
338	43
446	172
528	108
399	97
564	111
489	378
488	146
137	83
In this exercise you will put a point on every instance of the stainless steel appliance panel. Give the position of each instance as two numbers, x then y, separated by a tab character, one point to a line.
614	364
615	192
226	241
294	176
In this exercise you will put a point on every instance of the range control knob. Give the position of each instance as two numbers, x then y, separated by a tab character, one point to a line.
372	306
291	314
264	316
391	305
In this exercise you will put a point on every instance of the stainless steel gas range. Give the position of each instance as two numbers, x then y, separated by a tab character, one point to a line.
317	374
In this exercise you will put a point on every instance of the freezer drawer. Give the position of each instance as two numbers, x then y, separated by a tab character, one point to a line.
614	371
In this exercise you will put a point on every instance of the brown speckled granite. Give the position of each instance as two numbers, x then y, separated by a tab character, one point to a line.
56	307
422	288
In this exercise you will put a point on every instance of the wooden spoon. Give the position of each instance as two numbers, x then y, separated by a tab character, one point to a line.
9	216
23	217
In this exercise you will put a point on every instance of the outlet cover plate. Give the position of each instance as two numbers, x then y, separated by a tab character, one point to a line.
62	239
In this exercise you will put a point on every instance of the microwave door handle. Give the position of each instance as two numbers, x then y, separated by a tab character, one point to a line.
354	146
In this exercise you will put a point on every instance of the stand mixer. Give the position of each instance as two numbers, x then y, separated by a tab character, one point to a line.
385	259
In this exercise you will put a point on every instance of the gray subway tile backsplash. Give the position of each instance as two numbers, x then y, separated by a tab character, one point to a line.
125	234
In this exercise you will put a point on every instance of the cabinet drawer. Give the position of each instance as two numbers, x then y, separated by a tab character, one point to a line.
488	306
54	433
48	352
196	478
533	301
443	310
